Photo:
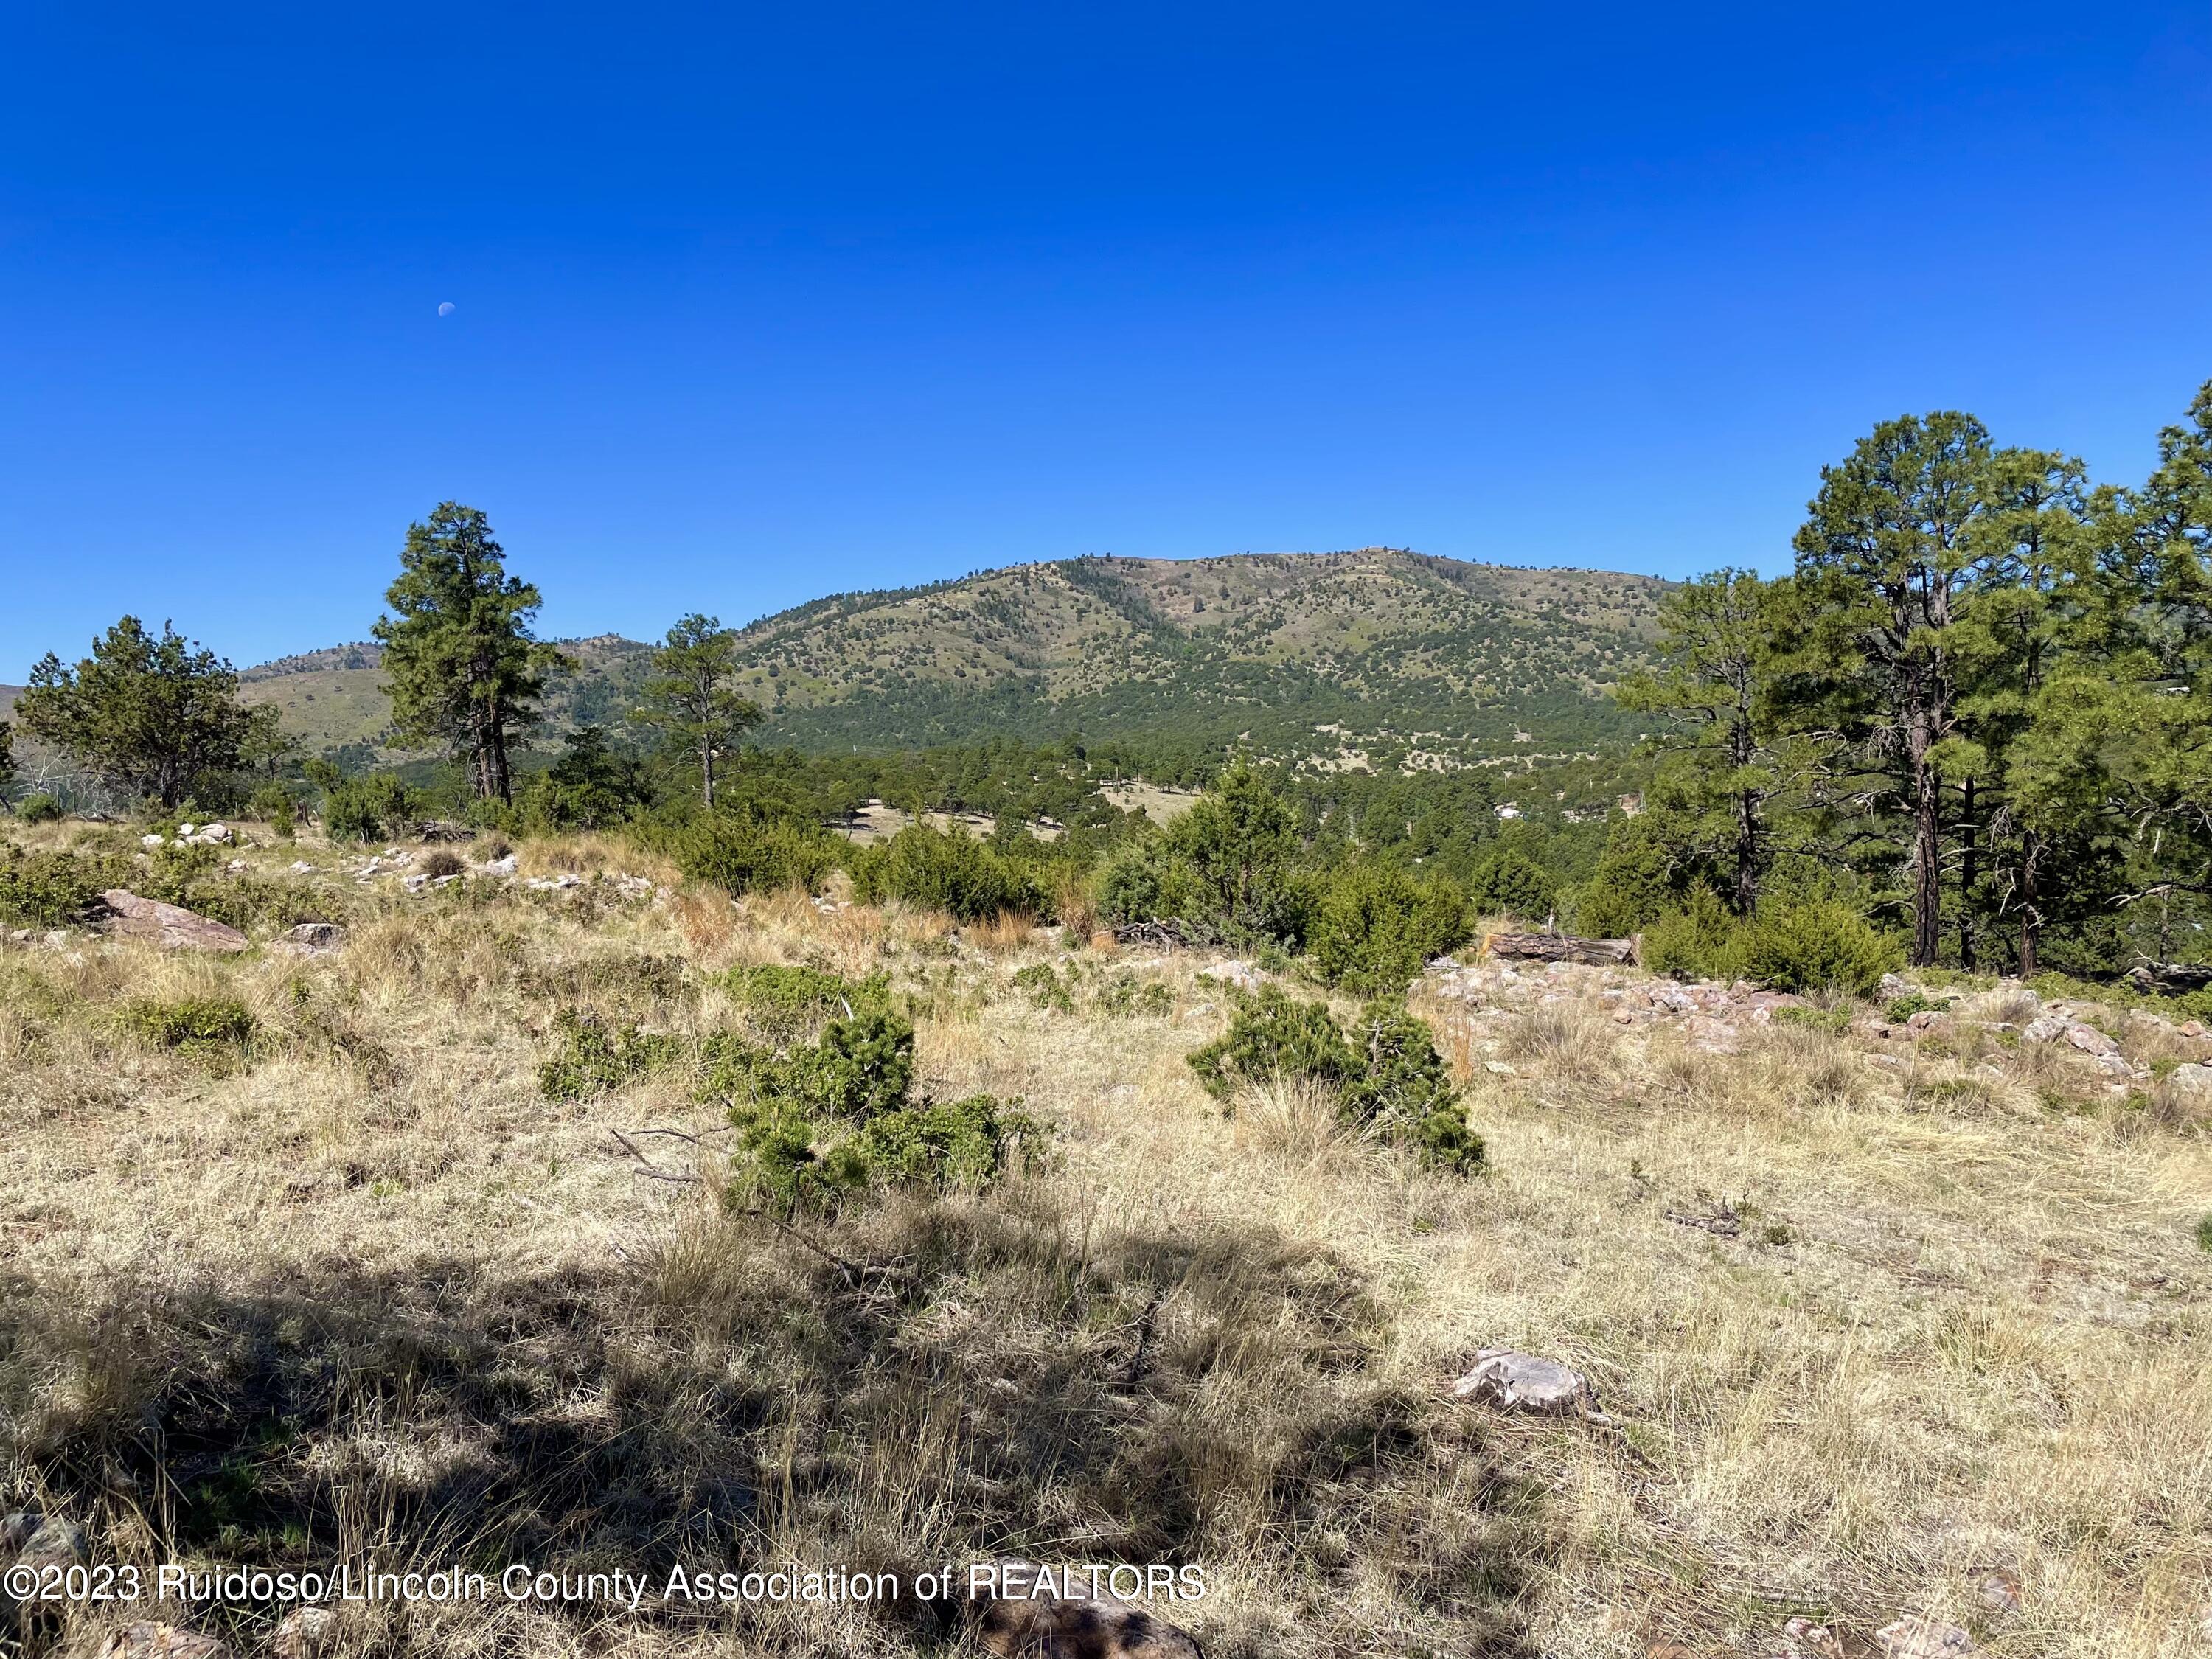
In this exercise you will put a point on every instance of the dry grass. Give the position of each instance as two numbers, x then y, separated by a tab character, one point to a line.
361	1293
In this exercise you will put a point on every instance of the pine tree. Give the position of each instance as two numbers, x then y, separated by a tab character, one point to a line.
690	697
1885	558
1722	652
465	671
149	712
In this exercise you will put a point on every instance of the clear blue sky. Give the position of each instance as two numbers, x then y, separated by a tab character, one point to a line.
753	303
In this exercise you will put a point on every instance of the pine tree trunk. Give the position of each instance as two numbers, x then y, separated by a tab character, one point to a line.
2031	922
1927	856
706	767
1966	873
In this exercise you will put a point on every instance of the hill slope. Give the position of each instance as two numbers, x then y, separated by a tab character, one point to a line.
1395	657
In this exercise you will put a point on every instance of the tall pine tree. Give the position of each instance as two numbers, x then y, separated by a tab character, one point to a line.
465	671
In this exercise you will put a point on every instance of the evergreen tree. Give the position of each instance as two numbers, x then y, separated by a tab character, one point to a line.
1723	648
690	696
465	670
7	758
1885	558
149	712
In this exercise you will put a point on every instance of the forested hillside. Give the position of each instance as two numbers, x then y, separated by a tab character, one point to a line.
1389	658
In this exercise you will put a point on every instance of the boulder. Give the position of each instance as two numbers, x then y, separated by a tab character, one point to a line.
2194	1081
2089	1040
1243	974
1915	1637
304	1633
2000	1592
1520	1382
499	867
215	835
171	925
152	1641
1036	1613
2044	1027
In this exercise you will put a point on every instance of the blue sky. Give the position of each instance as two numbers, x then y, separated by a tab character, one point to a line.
753	304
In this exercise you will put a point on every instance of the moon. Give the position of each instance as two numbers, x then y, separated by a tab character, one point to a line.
445	307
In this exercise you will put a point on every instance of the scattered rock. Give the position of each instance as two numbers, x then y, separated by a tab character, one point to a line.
215	835
152	1641
302	867
151	841
2195	1081
1915	1637
561	883
173	926
2090	1040
2000	1592
39	1539
1928	1019
1038	1615
304	1633
2044	1027
312	938
1243	974
1520	1382
499	867
1803	1639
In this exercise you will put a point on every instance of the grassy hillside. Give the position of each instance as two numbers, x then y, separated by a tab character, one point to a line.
1383	657
1878	1318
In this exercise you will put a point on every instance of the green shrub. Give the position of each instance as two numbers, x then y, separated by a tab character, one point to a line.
1146	881
2204	1232
1377	927
964	1142
1125	995
1818	945
594	1060
365	809
1273	1034
1509	882
946	871
192	1024
742	852
50	890
789	1000
273	805
1898	1010
39	808
1042	984
861	1065
1404	1089
1703	939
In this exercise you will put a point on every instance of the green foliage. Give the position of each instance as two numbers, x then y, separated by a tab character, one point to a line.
1124	996
947	872
39	808
273	803
1146	882
50	890
960	1143
588	788
1898	1010
1404	1089
1376	926
1238	842
594	1059
193	1025
148	713
2204	1232
789	1000
742	851
463	668
1272	1035
1834	1021
1818	945
1041	982
1510	882
1703	939
366	809
691	696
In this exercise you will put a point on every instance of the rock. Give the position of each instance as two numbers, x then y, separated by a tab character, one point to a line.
57	938
312	938
1522	1382
20	936
172	926
2090	1041
2044	1027
302	867
2195	1081
561	883
50	1541
1803	1639
1895	985
1039	1615
305	1631
1915	1637
1443	964
215	835
186	831
1243	974
2192	1027
1499	1069
152	1641
1928	1019
500	866
150	841
2000	1591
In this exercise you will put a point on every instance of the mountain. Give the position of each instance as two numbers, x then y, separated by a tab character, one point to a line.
1377	657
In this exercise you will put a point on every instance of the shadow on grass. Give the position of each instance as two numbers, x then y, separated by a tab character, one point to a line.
994	1384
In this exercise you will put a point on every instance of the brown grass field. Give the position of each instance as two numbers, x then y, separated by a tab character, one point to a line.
357	1293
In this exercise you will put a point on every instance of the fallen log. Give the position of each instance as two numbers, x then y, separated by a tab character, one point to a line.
1562	947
